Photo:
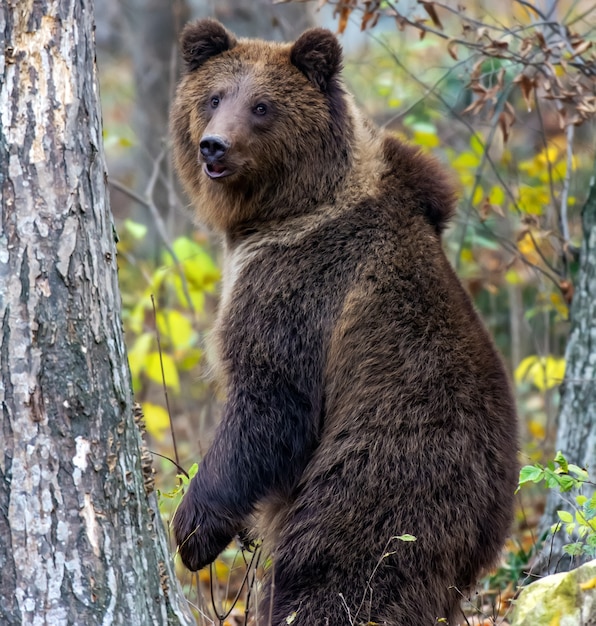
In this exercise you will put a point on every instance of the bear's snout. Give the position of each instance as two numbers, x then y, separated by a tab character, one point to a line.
213	148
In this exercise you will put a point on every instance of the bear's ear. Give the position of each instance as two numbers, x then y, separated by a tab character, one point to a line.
202	40
317	54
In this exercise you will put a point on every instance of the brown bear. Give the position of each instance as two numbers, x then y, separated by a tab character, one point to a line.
364	397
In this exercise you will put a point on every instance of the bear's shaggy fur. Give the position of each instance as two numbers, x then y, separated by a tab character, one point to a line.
365	399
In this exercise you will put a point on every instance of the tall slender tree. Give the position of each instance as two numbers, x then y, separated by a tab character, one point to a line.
576	432
81	541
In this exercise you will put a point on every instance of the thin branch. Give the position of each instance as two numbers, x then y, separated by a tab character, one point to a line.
570	131
167	458
161	231
163	380
532	9
500	105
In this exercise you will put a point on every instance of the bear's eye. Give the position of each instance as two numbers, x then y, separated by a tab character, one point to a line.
214	102
260	109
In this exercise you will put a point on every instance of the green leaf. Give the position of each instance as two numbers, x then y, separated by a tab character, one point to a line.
590	507
405	537
565	516
138	231
566	483
579	472
574	549
531	473
562	461
194	468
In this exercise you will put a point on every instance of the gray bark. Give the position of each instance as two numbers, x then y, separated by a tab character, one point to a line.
576	433
81	540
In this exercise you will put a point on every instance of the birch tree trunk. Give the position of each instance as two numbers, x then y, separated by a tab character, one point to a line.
81	541
576	433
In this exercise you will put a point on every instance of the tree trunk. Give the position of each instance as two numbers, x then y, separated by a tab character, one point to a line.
81	540
576	434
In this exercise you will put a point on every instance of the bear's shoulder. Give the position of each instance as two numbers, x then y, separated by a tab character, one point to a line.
413	176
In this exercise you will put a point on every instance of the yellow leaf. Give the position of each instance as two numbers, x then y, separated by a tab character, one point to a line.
513	277
533	200
466	161
170	373
176	327
157	420
220	569
589	584
543	372
527	247
556	620
426	139
477	145
497	195
559	304
478	195
190	359
197	294
536	429
467	256
138	353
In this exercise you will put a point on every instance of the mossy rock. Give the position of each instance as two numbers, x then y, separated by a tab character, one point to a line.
565	599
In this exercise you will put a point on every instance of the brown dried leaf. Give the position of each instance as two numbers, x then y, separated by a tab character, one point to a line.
344	16
421	22
429	7
475	107
500	79
527	86
567	290
526	46
562	115
366	18
487	208
496	48
477	70
581	48
541	41
510	111
451	44
506	120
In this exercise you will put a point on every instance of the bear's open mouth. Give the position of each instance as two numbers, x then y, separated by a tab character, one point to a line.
216	170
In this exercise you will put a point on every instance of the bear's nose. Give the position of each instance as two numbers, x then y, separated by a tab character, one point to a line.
213	147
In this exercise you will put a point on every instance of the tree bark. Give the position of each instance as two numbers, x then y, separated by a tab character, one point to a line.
81	540
576	432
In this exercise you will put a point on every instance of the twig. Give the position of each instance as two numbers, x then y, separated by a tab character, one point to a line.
163	380
161	231
499	106
167	458
570	131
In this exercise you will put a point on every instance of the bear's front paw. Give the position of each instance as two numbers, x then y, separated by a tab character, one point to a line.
199	541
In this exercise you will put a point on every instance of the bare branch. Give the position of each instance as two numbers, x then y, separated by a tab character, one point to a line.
159	225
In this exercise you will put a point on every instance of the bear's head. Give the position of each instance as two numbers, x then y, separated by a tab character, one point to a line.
261	130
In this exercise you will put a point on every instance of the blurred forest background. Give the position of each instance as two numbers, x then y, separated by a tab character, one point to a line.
502	92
